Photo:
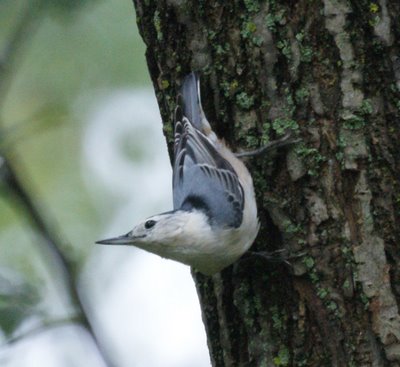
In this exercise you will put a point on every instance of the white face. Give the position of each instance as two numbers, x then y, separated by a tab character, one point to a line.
144	230
178	235
182	236
156	229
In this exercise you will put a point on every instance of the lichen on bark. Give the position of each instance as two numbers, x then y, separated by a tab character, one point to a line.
329	71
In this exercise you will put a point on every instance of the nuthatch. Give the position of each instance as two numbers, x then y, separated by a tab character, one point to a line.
214	220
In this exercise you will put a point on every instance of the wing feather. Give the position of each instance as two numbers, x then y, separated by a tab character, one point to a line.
203	179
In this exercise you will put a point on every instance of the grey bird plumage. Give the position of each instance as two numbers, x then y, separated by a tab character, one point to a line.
202	178
214	220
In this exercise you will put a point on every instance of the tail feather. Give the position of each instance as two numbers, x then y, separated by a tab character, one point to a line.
191	102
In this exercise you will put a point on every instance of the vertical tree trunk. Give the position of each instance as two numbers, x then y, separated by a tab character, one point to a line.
330	71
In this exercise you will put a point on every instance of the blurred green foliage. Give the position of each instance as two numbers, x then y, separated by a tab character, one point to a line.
77	51
17	299
64	6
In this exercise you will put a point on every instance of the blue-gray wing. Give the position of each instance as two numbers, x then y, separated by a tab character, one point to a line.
203	179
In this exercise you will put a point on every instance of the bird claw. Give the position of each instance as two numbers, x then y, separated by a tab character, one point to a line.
287	139
276	256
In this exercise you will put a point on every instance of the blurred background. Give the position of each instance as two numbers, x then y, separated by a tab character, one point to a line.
82	158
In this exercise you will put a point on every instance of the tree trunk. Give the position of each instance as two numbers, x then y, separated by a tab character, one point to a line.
330	71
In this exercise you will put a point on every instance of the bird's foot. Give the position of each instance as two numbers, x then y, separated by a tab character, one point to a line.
277	256
287	139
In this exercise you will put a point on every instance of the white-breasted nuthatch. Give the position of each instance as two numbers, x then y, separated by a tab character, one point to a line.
214	220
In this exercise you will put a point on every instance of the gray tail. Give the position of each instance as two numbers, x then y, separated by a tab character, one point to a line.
190	100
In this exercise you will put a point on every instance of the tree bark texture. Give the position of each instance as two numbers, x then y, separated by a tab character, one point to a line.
329	70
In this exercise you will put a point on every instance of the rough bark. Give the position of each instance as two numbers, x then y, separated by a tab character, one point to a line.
330	71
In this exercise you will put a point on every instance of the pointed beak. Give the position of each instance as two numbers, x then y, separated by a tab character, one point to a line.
121	240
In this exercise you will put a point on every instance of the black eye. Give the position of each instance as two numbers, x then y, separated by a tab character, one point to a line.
150	223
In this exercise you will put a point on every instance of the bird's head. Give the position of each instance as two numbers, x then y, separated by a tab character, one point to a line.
184	236
161	234
157	228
